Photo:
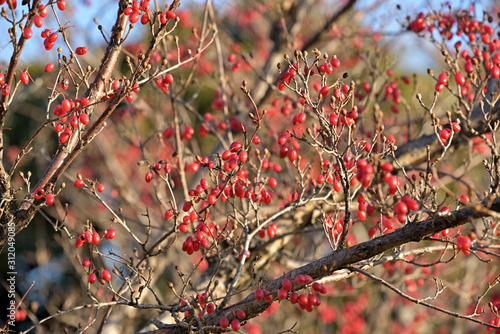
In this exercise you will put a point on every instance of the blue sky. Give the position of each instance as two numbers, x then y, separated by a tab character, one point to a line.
415	55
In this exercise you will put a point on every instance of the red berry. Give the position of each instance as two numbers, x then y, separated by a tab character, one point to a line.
39	193
81	50
443	78
53	37
210	308
224	322
134	17
259	294
464	199
88	237
49	199
85	261
106	275
38	21
460	79
282	294
92	278
243	156
303	299
100	188
110	234
272	182
324	91
271	230
268	297
169	214
170	14
27	33
79	242
292	155
84	118
495	72
469	68
61	4
49	67
241	314
79	183
235	325
96	238
287	285
294	297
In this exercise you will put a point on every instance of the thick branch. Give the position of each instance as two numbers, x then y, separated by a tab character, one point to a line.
412	232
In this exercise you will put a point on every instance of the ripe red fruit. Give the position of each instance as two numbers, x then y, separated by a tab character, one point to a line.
464	199
84	118
49	67
313	299
88	237
241	314
335	63
292	155
106	275
100	188
459	79
39	193
148	177
443	78
81	50
38	21
271	230
96	238
110	234
324	91
268	297
134	17
282	139
243	156
272	182
287	285
49	199
495	72
27	33
469	68
210	308
61	4
85	261
259	294
302	299
53	37
24	76
456	127
224	322
282	294
170	14
92	278
235	325
169	214
294	297
463	244
79	242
